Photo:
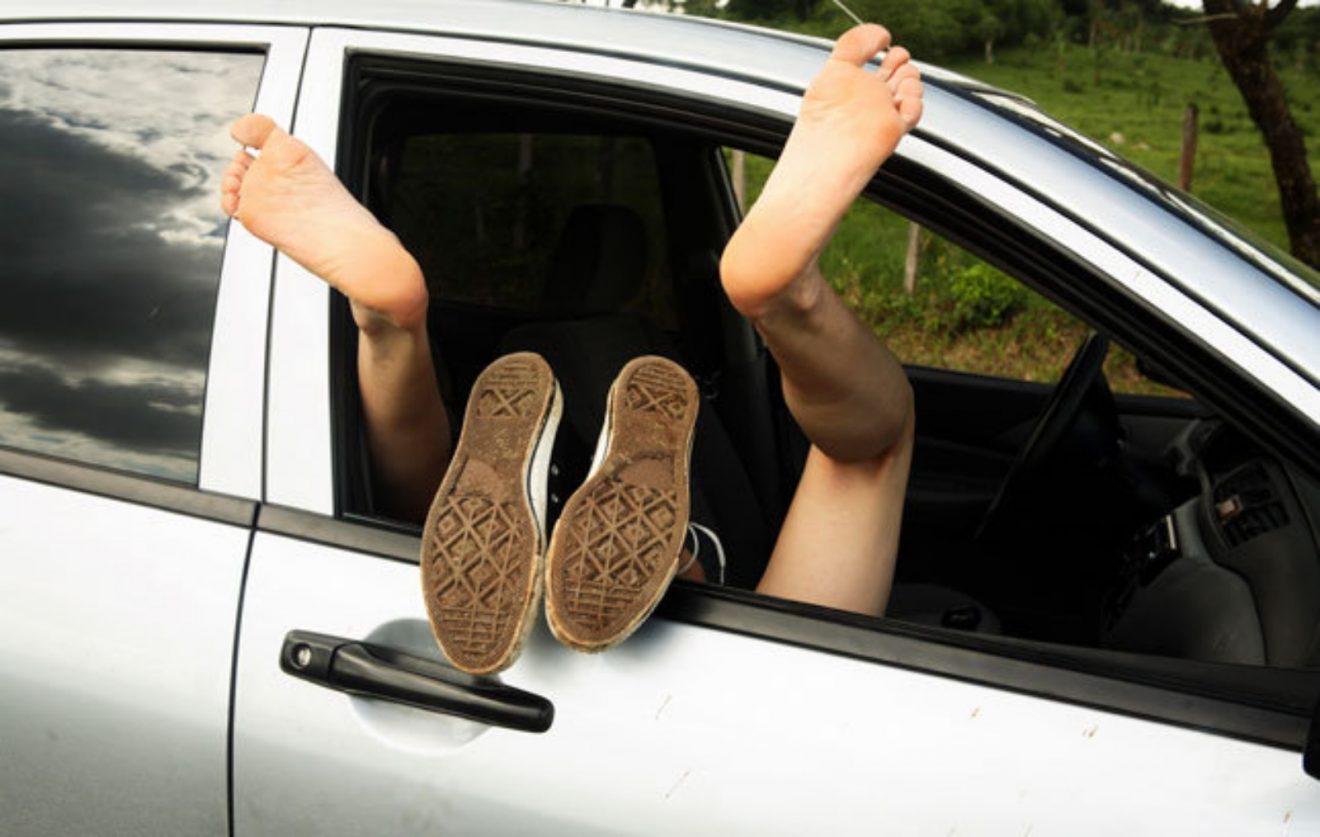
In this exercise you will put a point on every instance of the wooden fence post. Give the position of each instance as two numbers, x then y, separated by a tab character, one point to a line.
740	180
1187	157
910	263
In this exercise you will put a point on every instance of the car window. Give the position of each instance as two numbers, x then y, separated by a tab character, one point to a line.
489	235
940	306
1129	526
1077	553
112	237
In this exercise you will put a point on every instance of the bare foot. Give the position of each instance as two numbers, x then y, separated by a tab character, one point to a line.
287	197
851	121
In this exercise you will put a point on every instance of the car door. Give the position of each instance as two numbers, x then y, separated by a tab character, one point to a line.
727	711
132	344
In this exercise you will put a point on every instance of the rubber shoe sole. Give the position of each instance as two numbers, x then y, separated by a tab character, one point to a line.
616	546
484	537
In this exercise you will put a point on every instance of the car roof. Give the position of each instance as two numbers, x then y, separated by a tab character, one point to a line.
734	48
960	112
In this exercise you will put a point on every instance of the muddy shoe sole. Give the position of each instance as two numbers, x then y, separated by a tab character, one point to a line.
616	546
484	535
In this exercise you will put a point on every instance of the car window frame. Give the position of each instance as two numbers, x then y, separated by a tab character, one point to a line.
930	184
230	463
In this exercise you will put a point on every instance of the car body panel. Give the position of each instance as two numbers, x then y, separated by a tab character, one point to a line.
122	593
115	644
298	450
685	729
232	441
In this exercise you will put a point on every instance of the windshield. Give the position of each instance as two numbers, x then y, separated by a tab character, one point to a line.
1283	267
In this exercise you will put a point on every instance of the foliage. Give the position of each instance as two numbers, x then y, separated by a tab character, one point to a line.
933	28
943	29
984	298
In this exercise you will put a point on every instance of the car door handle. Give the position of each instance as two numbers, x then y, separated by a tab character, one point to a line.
361	668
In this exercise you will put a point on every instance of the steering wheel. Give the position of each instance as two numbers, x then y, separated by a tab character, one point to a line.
1052	427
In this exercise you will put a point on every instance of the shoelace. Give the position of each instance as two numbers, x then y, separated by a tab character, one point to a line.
694	530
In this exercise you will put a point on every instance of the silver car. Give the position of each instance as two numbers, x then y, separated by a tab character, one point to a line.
1107	615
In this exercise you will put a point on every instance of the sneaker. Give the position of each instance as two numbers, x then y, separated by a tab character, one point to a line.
711	560
616	546
484	535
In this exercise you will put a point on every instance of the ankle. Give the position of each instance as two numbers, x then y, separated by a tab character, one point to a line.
758	283
798	302
398	300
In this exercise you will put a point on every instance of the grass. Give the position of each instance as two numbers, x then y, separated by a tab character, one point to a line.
1131	102
1134	102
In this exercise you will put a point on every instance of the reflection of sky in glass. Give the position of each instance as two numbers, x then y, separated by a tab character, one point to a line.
110	244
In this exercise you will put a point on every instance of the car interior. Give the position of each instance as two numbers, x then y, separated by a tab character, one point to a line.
587	227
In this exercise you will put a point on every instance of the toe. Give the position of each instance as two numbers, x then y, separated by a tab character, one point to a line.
909	103
895	58
902	74
229	202
253	130
241	160
860	44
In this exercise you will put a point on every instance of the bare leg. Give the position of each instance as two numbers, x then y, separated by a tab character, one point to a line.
844	387
287	197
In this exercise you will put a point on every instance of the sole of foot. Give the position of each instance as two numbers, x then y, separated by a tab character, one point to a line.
286	195
851	120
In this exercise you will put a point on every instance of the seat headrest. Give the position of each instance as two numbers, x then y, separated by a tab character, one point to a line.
599	262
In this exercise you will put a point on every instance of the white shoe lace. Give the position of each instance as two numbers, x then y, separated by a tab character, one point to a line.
695	529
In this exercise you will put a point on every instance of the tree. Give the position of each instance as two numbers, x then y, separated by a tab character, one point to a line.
1241	33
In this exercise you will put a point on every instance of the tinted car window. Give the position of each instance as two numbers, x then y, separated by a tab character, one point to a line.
111	239
484	212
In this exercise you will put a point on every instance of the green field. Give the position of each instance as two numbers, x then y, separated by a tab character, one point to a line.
1131	102
1142	96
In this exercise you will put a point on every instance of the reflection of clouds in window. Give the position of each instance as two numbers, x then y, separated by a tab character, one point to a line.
115	100
134	412
111	237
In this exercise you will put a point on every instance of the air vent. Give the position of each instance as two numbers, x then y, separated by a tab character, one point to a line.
1247	505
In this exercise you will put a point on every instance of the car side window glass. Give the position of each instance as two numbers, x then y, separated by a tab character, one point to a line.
940	306
486	214
112	237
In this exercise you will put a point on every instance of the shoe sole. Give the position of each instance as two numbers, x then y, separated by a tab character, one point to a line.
484	535
616	546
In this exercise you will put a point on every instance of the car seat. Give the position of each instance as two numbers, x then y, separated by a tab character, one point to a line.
598	267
